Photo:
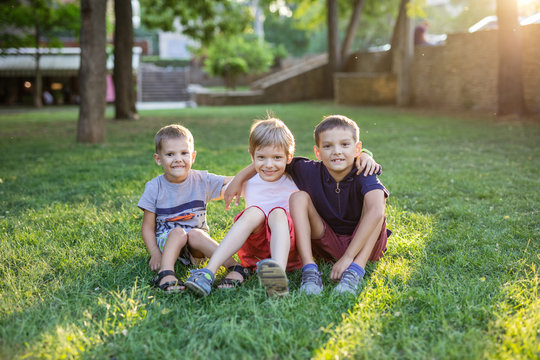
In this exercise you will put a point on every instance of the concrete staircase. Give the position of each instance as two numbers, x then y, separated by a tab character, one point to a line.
163	84
304	66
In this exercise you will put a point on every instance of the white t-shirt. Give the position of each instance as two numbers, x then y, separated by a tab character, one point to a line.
268	195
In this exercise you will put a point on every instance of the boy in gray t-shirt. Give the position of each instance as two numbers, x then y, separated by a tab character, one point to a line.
174	205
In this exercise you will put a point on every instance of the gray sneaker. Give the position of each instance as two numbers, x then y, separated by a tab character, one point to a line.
311	282
200	281
349	283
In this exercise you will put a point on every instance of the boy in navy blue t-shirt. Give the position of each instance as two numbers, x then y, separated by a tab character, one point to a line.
338	215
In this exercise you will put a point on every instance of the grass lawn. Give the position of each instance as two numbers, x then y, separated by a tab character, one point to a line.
459	280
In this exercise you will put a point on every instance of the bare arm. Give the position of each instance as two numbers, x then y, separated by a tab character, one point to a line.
366	163
234	189
370	223
148	231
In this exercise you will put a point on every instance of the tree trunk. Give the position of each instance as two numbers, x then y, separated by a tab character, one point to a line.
92	72
351	30
124	87
38	83
402	55
510	85
333	43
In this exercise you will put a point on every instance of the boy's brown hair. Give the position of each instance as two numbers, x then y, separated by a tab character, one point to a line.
271	132
336	121
173	131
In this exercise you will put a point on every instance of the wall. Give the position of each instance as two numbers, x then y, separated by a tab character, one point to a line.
463	73
365	88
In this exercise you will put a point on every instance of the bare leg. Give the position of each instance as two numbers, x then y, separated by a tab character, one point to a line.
202	245
176	240
280	240
250	221
307	224
363	256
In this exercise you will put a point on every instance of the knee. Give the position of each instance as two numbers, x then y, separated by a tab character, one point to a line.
194	236
177	234
277	214
299	199
253	214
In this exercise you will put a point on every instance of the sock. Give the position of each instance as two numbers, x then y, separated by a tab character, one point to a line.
311	266
357	269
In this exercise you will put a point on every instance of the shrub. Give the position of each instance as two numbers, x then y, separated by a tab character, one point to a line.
229	57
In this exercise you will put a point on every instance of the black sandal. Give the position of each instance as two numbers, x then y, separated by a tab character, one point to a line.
245	272
165	286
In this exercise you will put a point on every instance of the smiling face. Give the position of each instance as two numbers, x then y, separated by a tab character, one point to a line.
270	162
337	150
175	157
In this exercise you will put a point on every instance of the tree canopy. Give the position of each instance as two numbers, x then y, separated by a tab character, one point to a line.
27	23
201	20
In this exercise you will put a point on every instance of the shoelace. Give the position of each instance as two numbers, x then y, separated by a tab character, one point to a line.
349	278
311	276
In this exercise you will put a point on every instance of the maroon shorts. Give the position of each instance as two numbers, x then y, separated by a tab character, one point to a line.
332	246
257	246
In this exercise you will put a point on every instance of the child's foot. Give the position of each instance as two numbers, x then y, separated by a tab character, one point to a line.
311	282
349	283
236	277
167	281
272	278
200	281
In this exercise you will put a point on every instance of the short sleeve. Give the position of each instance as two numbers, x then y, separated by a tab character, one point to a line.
149	197
214	184
371	182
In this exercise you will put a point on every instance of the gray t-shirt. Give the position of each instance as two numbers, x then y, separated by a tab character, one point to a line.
183	204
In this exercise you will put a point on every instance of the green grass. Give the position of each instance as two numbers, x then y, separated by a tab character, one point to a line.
459	280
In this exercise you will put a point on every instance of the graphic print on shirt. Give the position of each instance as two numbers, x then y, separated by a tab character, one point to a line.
188	215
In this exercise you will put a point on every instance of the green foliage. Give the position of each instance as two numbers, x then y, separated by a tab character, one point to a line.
233	56
201	20
375	27
22	24
284	31
460	278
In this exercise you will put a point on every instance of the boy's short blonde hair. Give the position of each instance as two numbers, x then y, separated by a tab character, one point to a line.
173	131
271	132
336	121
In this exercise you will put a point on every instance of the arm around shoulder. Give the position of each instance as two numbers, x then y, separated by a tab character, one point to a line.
234	187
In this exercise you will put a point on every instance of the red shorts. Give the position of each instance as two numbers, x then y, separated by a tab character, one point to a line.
257	246
332	246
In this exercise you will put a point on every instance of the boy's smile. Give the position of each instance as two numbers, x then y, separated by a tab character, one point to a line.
270	162
337	150
176	158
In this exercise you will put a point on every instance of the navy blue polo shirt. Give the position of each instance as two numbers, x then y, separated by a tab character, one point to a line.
339	204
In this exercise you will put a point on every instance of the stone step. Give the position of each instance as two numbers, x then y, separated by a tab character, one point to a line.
163	84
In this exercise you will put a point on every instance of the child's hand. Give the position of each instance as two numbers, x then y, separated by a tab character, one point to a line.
155	261
233	190
339	267
366	163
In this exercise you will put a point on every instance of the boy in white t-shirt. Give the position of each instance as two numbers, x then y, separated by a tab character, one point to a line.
263	234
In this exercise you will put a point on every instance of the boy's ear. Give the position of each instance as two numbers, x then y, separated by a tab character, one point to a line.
157	159
289	158
358	148
316	150
193	156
